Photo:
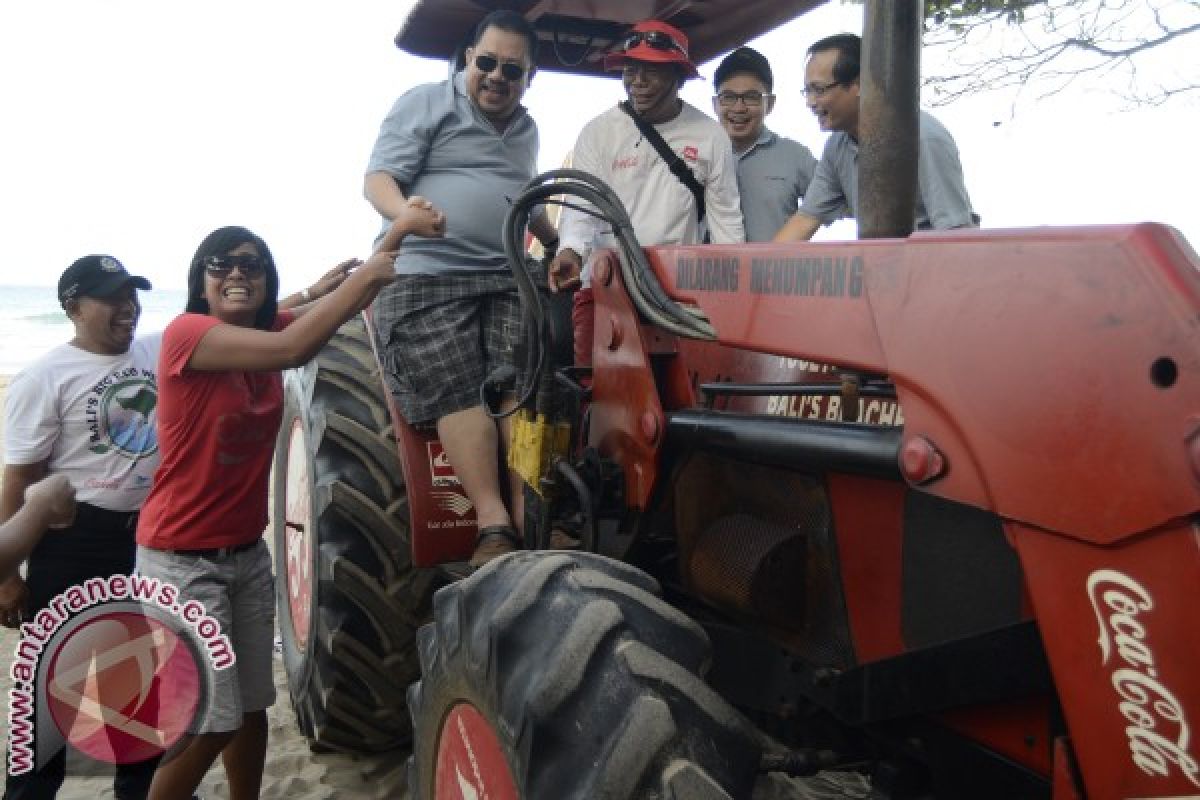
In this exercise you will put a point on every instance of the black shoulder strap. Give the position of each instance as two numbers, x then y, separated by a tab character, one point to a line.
677	165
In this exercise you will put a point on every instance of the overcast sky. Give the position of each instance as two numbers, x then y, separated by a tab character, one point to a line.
135	127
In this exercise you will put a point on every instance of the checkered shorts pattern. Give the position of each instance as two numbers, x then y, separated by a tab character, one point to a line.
441	335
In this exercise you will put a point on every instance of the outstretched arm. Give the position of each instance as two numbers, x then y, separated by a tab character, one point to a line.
324	285
800	227
232	347
17	478
49	502
543	229
384	194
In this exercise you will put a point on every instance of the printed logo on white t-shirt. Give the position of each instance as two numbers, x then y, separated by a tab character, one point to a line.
119	414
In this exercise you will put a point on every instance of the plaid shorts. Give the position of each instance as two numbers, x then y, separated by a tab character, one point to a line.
441	335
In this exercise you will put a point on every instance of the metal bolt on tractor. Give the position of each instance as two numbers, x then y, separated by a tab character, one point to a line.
961	563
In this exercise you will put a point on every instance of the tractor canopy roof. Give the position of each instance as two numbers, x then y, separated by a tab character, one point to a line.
575	35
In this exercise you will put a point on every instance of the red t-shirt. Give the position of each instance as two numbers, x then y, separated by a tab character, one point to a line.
216	436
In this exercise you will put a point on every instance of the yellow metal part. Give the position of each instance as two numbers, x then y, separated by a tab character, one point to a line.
534	445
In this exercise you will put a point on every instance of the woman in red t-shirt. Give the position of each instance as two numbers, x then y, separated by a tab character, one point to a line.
220	407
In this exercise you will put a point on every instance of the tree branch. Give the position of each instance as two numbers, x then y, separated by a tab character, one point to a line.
1011	44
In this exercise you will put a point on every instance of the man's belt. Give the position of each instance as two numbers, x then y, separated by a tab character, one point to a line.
97	518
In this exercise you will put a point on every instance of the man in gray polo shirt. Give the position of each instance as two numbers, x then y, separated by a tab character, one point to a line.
832	91
773	172
452	316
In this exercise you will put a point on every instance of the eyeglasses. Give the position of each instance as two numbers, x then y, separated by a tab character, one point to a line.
817	90
221	266
752	99
656	40
511	72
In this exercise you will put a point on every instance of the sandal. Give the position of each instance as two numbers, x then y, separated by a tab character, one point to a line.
493	542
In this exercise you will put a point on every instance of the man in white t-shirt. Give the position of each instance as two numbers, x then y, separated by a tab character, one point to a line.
85	410
654	64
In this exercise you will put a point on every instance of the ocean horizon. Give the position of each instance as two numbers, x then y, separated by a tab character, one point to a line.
32	321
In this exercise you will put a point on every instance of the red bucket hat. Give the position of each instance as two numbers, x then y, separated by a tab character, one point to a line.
655	42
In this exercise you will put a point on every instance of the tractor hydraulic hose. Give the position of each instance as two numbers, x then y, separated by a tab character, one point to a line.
644	289
586	503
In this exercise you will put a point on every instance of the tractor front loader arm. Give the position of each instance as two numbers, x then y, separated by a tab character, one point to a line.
1048	376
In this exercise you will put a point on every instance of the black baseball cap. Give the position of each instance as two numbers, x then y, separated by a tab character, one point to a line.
96	276
745	59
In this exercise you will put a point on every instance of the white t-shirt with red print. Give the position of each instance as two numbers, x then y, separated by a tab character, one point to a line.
661	208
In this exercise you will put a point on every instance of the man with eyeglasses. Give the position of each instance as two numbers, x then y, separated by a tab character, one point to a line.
773	172
452	317
832	92
654	64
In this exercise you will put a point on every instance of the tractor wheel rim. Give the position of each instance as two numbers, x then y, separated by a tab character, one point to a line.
298	535
470	760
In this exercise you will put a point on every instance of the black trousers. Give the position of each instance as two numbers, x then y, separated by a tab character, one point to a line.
99	544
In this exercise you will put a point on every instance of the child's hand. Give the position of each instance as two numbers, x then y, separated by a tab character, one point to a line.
419	217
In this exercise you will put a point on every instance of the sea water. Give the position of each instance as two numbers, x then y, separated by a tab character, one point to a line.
32	322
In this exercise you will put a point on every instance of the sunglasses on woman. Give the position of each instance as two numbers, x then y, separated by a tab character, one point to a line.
511	72
656	40
220	266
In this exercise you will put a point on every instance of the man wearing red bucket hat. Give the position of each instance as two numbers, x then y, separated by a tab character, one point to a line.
684	205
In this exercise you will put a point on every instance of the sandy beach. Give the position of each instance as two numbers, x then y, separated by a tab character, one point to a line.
292	770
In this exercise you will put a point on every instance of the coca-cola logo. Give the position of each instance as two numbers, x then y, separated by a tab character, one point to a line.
1158	731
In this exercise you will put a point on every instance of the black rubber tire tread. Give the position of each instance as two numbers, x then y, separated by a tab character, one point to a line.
590	681
348	684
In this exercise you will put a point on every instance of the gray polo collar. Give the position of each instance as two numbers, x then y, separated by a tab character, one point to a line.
765	139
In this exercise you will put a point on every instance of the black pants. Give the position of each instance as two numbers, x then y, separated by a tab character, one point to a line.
99	544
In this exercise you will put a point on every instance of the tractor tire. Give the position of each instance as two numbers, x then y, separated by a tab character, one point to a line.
350	601
554	676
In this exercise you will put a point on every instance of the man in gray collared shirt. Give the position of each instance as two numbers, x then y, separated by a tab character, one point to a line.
773	171
832	91
452	317
438	143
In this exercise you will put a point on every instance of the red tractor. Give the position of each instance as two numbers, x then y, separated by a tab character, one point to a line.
956	565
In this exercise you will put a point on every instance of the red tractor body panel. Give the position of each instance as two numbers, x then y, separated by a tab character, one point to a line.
980	369
1121	638
870	545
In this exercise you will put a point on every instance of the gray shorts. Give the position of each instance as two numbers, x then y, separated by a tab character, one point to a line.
238	591
441	335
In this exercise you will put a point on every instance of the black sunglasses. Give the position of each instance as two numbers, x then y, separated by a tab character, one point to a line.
220	266
511	72
655	40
